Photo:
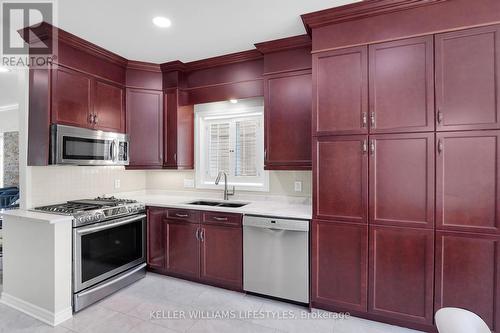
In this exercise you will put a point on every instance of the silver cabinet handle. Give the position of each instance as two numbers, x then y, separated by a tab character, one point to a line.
440	117
91	118
202	234
181	215
198	233
372	119
175	157
364	146
220	218
265	154
364	119
372	147
95	119
440	146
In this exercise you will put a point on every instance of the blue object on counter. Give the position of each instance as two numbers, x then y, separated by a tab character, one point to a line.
9	197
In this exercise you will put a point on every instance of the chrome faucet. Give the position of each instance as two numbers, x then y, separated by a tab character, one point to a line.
217	180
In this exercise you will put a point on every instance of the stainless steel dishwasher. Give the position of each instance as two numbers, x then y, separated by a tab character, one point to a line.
276	257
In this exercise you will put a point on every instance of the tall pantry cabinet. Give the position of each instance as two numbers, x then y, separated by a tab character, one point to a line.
406	159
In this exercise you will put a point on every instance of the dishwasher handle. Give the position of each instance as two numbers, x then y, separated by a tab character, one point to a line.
275	224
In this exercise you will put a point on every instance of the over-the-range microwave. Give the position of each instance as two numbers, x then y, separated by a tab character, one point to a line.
82	146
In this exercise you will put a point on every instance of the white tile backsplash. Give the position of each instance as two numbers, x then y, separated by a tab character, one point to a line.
55	184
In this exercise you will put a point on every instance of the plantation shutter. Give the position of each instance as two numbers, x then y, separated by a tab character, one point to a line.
246	147
219	148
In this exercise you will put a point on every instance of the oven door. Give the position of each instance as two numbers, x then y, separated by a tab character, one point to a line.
103	250
81	146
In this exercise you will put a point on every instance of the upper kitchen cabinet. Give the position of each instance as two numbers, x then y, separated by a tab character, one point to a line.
109	107
71	98
402	179
467	74
288	98
145	128
402	86
341	178
179	132
340	85
468	182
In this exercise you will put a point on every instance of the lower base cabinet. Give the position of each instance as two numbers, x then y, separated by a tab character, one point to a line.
182	249
401	274
468	274
200	246
339	265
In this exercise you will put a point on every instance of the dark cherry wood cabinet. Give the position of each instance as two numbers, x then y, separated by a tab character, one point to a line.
401	273
156	238
145	127
221	258
339	265
340	85
468	274
467	79
468	181
200	246
109	107
182	249
71	98
402	179
341	178
401	86
288	99
179	132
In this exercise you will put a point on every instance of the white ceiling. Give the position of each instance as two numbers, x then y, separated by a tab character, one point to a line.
200	28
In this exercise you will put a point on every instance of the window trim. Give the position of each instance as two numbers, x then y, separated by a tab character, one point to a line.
221	111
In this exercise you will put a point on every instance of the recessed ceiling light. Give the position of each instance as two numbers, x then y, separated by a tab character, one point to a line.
233	101
4	69
162	22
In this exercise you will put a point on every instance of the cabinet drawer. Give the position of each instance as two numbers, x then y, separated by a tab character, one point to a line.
222	218
183	215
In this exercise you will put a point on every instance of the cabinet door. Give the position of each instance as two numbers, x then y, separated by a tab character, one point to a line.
339	265
468	183
402	86
183	249
71	103
109	110
288	99
467	79
402	179
401	273
222	256
341	178
145	127
156	238
340	86
467	274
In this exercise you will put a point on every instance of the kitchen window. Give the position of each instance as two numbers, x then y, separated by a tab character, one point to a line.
230	138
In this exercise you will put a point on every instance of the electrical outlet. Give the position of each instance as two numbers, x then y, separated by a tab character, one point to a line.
188	183
298	186
117	183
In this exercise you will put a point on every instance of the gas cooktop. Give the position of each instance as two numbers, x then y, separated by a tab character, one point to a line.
90	211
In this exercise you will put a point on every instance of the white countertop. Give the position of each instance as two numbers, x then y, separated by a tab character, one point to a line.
277	206
32	216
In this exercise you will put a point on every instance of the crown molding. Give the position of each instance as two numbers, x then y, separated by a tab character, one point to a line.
172	66
143	66
283	44
359	10
224	60
45	31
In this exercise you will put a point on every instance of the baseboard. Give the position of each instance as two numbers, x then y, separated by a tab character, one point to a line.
35	311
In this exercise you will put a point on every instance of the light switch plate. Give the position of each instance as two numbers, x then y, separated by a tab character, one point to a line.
298	186
188	183
117	183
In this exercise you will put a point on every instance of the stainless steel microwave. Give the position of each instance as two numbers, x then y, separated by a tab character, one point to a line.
81	146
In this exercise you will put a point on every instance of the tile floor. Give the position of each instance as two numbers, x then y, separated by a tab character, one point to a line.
158	304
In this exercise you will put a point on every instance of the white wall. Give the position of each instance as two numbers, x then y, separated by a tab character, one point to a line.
9	121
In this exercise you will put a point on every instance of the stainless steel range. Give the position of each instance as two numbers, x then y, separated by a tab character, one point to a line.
109	245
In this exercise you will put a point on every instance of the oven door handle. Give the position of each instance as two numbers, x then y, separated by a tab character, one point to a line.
88	230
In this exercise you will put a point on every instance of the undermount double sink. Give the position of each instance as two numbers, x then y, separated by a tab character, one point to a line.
218	203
